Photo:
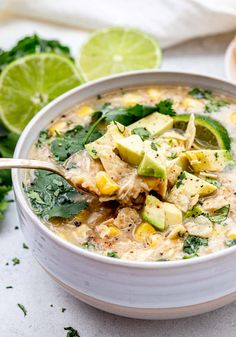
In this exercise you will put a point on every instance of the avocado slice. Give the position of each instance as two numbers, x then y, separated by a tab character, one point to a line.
209	160
131	149
115	132
152	164
173	216
187	190
154	213
154	123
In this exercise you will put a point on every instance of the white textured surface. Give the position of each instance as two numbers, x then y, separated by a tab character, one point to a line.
33	287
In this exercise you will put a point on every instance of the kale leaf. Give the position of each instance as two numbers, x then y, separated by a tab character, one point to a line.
141	132
51	196
71	142
127	116
30	45
192	244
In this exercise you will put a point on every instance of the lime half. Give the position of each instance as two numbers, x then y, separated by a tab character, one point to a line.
116	50
29	83
209	132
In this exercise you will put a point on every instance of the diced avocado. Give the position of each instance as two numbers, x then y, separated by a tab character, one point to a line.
175	167
152	163
194	212
154	213
188	189
131	149
154	123
173	216
115	132
209	160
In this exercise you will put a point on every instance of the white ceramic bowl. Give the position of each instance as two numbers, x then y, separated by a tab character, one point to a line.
150	290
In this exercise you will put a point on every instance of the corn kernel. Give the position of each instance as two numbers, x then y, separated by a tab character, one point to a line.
232	234
143	231
233	117
85	110
57	127
114	231
192	103
131	99
105	184
153	94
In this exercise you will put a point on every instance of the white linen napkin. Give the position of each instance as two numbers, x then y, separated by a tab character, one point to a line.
170	21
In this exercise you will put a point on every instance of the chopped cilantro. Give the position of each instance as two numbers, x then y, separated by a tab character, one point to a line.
173	155
220	214
127	116
215	104
181	177
87	245
15	261
70	142
230	243
43	137
63	310
25	246
112	253
186	257
154	146
192	244
71	332
200	93
194	212
143	133
22	307
51	196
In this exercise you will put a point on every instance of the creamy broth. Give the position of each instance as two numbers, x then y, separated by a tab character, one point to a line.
155	201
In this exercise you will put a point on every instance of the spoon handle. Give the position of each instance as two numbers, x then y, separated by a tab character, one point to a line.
8	163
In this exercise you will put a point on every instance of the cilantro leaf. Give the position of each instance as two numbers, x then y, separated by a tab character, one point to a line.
51	196
127	116
30	45
220	214
181	177
200	93
15	261
71	142
215	104
192	244
71	332
113	254
230	242
141	132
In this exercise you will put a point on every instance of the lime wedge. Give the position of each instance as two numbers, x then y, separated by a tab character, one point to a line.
29	83
210	134
116	50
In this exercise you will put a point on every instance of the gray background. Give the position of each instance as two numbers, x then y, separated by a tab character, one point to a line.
34	288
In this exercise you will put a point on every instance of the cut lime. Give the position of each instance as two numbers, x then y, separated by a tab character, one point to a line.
116	50
29	83
209	132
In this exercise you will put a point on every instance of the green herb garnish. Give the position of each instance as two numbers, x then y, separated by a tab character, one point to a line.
181	177
71	332
200	93
154	146
141	132
25	246
15	261
213	182
220	214
173	155
194	212
51	196
192	244
31	45
230	242
71	142
9	287
215	104
127	116
112	253
22	307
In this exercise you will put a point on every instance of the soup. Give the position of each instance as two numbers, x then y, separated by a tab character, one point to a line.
152	170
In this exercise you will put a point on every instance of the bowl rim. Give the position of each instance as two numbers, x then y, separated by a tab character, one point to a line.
22	200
